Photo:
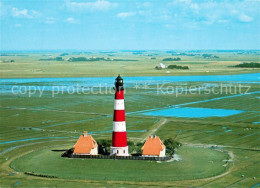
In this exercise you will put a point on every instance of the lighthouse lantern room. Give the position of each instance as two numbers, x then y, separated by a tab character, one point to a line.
119	138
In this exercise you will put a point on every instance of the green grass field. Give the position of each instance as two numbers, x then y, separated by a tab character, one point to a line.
29	66
32	126
196	163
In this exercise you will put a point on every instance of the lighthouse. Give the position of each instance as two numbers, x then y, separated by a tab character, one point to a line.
119	138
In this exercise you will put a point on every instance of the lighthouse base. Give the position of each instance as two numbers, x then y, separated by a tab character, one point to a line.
119	151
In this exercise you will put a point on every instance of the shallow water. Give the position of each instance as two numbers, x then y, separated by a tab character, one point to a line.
48	84
108	80
57	137
188	112
195	102
32	139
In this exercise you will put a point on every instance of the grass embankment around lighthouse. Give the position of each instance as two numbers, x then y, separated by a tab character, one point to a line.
192	163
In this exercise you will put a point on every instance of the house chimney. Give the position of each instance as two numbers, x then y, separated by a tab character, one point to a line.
85	134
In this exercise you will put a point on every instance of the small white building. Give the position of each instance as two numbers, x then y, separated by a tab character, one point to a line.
162	66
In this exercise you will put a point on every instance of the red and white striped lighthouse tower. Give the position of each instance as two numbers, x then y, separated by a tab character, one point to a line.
119	139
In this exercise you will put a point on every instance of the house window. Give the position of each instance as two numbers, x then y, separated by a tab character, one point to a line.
124	151
117	151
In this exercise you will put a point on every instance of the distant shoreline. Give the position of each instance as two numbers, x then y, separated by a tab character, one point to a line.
132	75
113	51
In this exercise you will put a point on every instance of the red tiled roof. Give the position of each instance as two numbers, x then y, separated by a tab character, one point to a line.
85	144
153	146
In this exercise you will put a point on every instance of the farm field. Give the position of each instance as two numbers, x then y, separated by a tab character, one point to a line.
31	65
217	151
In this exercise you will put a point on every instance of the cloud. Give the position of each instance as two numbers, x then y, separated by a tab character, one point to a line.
180	2
100	5
164	15
143	4
234	11
125	14
185	1
194	6
71	20
18	25
2	12
245	18
24	13
223	21
17	13
49	20
214	11
146	4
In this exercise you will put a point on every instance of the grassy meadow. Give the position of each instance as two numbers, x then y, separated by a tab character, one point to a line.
216	151
207	163
29	66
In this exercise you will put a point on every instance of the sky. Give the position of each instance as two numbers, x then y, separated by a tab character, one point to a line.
129	24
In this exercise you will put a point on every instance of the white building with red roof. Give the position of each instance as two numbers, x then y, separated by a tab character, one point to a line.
86	145
153	147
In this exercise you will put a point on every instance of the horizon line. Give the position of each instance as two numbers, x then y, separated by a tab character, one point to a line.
121	50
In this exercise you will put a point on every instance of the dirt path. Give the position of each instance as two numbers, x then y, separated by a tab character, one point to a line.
231	158
154	128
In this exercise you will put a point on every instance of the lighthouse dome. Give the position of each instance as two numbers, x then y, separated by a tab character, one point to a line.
119	83
119	79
